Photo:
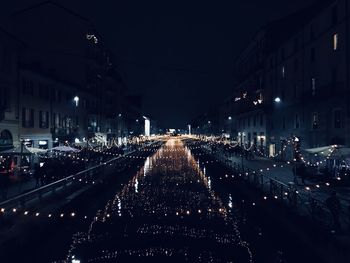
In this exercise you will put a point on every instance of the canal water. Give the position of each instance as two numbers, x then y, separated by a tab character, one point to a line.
168	212
179	208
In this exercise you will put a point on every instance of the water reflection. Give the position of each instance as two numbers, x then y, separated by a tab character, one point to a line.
170	199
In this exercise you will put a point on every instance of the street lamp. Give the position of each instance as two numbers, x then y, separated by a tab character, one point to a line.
76	100
278	100
229	118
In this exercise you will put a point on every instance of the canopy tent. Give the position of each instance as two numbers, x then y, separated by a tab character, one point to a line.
19	150
86	144
37	150
65	149
332	151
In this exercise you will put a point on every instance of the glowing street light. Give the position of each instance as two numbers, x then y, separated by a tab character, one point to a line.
229	118
278	100
76	100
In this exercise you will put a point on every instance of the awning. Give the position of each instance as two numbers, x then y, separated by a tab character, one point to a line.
65	149
332	151
19	150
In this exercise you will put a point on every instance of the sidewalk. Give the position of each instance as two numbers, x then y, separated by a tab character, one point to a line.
17	186
277	179
285	175
25	184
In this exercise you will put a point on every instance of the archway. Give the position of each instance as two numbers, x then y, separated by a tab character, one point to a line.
6	139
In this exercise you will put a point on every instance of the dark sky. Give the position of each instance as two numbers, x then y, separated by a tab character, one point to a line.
178	54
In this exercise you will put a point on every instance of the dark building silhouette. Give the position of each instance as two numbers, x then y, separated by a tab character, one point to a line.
292	82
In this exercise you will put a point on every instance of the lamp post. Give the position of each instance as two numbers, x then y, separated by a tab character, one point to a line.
230	125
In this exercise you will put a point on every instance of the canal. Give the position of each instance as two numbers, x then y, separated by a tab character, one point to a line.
169	204
177	208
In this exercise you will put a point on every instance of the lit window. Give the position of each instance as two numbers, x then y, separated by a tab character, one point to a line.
335	42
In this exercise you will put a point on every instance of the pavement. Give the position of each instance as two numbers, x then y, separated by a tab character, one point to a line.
22	184
283	172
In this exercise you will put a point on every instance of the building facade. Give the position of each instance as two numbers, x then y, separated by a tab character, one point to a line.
292	83
10	50
60	82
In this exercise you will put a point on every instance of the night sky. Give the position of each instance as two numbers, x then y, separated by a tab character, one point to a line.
178	54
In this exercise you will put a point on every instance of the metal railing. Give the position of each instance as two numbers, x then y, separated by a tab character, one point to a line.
78	179
300	200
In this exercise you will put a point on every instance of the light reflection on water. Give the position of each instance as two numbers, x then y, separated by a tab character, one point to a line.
171	187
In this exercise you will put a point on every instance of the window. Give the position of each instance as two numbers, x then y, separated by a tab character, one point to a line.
57	95
313	55
335	42
337	119
282	54
27	118
334	15
313	86
4	98
296	45
27	87
41	90
334	78
43	119
314	121
296	65
312	32
297	122
6	61
57	120
295	90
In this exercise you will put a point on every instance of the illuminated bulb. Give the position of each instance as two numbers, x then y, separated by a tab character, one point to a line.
26	213
37	214
61	215
14	210
72	214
